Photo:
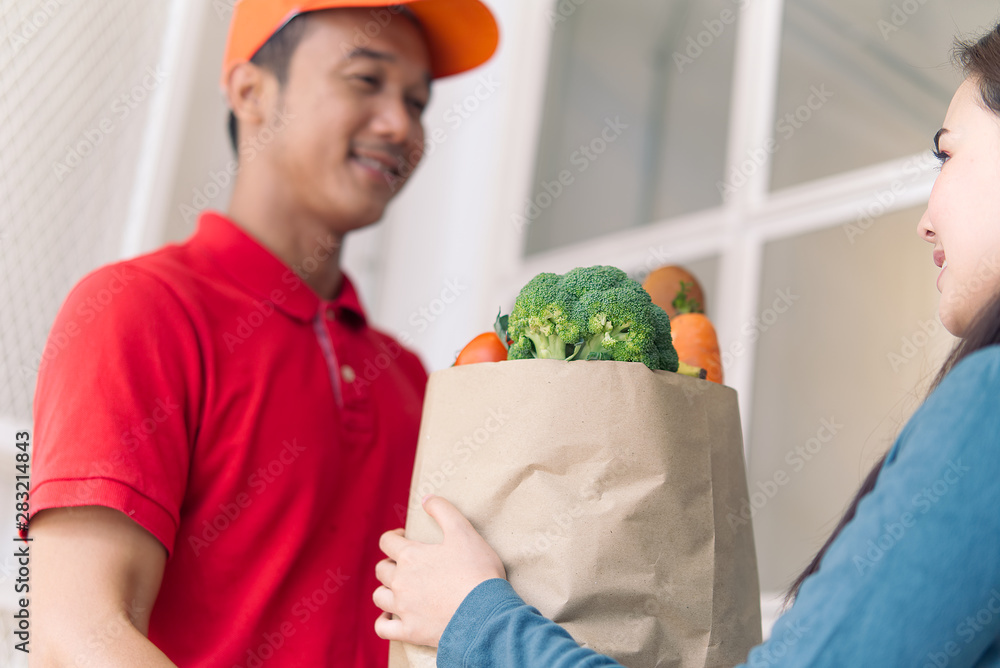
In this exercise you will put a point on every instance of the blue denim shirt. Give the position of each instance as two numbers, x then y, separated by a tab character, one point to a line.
913	580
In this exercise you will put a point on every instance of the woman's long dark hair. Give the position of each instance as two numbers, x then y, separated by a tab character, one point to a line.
980	60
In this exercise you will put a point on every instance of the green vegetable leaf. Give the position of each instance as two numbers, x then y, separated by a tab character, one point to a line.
500	327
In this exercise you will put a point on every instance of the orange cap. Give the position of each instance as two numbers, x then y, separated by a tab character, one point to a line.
461	34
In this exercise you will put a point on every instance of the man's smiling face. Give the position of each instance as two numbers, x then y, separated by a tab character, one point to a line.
354	116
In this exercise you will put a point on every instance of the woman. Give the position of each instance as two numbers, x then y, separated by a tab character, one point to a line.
911	576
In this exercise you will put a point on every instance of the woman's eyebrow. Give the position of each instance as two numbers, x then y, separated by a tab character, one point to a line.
937	138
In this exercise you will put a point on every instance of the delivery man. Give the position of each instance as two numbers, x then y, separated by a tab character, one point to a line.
223	438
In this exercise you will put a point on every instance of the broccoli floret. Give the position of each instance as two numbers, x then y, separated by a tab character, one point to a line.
590	313
548	321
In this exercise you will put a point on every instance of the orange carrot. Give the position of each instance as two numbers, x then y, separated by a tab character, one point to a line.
694	336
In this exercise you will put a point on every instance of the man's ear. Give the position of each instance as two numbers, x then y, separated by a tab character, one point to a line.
247	91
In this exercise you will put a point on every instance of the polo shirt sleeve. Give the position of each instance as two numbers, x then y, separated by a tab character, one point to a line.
116	401
913	579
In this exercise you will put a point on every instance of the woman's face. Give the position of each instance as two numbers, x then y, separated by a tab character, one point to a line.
963	215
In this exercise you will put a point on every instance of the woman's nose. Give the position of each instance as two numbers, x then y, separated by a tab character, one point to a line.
924	229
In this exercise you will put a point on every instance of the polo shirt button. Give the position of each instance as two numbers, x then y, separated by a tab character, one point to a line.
348	374
331	314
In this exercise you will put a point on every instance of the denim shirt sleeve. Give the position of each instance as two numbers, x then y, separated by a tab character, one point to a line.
494	628
913	580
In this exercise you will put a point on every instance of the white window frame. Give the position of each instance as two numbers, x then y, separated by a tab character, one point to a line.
738	231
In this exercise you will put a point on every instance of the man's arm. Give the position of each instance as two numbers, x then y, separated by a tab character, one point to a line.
94	578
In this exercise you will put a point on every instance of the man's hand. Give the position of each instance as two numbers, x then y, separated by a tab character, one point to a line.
94	578
423	585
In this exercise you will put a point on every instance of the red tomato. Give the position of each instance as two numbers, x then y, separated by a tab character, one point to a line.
484	348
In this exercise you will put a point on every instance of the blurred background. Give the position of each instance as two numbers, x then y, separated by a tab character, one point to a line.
777	149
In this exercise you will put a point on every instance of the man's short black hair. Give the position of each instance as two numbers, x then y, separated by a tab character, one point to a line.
275	57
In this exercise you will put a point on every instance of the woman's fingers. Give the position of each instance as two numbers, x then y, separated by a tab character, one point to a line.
388	628
448	517
384	570
383	598
424	584
392	542
454	524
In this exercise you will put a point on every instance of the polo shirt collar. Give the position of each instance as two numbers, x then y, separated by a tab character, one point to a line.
264	276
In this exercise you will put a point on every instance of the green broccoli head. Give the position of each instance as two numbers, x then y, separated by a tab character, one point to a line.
590	313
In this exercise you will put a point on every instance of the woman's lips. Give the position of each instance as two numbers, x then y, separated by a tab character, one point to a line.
944	268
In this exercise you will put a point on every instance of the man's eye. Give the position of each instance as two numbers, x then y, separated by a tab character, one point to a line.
418	105
368	80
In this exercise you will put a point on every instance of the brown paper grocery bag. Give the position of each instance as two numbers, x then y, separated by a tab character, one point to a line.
605	488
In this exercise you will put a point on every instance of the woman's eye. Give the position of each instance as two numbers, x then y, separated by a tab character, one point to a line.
942	157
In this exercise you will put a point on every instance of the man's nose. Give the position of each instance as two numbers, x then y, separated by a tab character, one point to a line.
393	121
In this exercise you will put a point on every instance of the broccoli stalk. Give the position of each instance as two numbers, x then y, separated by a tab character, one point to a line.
590	313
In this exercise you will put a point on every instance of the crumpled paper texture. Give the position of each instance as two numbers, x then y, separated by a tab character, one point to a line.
608	491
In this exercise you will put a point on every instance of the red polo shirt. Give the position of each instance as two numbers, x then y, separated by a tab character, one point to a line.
266	437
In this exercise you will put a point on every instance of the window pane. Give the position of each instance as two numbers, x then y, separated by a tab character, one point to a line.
635	118
849	337
865	81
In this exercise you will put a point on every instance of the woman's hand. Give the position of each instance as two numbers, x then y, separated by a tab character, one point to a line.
423	585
